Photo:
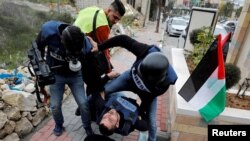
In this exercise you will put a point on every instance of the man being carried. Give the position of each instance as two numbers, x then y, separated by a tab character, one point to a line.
119	114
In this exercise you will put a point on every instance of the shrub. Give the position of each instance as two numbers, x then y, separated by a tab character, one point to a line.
18	28
127	19
65	17
203	39
233	75
194	36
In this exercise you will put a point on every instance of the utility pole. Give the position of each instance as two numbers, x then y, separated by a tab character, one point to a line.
58	6
158	16
147	12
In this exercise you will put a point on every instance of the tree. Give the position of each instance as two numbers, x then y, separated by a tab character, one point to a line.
238	12
226	10
194	3
169	7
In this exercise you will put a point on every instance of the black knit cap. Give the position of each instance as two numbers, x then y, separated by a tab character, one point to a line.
118	5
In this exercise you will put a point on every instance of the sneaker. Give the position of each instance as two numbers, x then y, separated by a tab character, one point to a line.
58	130
77	112
89	131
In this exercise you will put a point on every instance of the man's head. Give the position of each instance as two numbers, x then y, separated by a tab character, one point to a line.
115	11
109	122
73	40
153	68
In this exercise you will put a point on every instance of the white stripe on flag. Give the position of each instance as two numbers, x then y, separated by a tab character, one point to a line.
208	90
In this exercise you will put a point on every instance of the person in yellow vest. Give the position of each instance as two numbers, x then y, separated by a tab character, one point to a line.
96	23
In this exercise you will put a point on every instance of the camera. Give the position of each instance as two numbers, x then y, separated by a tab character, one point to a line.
40	67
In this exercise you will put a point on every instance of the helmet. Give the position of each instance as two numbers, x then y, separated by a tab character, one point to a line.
73	41
153	68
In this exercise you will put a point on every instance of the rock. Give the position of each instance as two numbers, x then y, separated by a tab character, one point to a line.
2	81
12	137
3	119
23	127
3	71
8	129
30	88
27	81
40	114
23	70
47	110
24	114
19	86
13	113
27	115
67	92
136	23
5	87
25	101
2	104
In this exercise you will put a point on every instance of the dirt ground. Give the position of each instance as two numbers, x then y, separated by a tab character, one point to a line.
234	101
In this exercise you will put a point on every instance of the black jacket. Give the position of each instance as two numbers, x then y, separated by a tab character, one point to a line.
141	50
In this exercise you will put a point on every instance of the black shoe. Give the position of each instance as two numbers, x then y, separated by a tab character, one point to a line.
89	131
58	130
77	112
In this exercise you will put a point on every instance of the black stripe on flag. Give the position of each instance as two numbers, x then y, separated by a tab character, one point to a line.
202	72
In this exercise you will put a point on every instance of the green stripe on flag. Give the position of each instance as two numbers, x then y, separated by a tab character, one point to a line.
215	106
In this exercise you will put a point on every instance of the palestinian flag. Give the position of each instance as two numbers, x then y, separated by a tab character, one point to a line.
205	89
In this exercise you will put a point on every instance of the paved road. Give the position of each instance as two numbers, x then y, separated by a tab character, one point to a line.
171	40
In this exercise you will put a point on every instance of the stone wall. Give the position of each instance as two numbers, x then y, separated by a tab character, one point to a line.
20	112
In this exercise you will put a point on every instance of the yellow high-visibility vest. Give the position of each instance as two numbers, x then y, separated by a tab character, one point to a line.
86	16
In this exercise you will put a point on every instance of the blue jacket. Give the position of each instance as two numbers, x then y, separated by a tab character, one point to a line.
141	50
55	56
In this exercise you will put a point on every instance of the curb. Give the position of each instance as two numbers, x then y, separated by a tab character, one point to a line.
163	136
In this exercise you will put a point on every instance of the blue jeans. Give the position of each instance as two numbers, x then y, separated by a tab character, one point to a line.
76	85
125	83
